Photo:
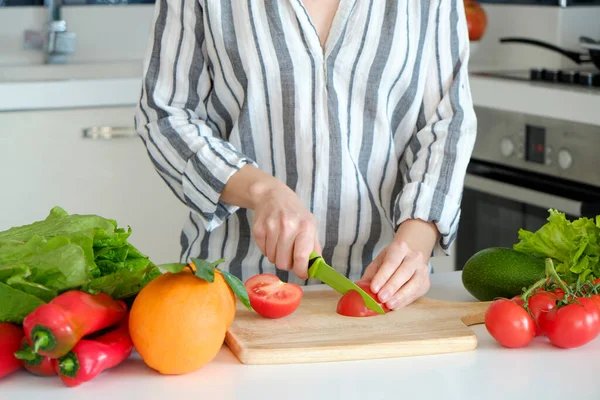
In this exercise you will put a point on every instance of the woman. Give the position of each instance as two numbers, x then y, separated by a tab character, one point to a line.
287	126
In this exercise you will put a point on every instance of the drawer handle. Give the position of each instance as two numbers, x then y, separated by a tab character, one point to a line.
109	132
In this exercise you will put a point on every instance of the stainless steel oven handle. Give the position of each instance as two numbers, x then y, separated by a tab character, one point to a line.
523	195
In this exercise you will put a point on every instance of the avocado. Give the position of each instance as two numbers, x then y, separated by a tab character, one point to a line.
501	272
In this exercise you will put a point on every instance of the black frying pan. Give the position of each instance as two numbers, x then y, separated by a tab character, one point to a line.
592	46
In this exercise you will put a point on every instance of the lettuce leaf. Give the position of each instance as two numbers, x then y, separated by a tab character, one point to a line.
574	246
56	263
58	223
16	304
123	283
40	260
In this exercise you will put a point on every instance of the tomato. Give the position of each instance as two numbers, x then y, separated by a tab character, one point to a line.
509	323
352	304
596	299
517	299
573	325
476	19
559	293
539	305
271	297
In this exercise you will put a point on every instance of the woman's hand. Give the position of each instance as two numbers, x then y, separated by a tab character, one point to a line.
400	273
284	230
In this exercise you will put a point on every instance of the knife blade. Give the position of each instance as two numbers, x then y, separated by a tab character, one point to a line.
318	269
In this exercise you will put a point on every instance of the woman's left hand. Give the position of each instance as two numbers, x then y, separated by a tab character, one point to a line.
400	273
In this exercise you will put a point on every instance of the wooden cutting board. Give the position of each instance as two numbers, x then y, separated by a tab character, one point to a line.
316	333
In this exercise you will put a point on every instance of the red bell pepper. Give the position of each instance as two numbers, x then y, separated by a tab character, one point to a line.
10	340
90	357
34	363
56	327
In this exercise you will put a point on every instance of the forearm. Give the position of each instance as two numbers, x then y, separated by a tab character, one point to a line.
248	185
419	235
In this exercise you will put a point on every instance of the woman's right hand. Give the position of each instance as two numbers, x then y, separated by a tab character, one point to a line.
284	230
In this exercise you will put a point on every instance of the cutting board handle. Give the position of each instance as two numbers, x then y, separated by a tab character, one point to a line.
476	317
470	312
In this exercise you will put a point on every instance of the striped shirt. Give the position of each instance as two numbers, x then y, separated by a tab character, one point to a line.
373	128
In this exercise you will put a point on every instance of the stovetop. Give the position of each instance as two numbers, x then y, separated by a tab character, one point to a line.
575	78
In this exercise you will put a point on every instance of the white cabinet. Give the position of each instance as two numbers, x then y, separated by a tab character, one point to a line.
46	161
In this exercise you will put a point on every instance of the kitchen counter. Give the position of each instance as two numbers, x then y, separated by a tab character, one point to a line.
539	371
37	87
570	103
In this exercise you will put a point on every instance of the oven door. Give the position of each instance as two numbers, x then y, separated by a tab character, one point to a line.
498	201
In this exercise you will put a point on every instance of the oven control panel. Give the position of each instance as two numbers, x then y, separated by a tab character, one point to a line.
549	146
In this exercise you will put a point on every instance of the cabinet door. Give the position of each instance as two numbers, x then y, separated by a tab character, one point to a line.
47	161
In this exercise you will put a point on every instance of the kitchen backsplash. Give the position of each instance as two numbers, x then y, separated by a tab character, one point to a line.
119	32
104	33
9	3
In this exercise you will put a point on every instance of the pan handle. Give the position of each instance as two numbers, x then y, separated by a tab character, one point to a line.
573	55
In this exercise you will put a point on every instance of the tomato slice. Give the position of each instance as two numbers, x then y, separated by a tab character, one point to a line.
352	304
271	297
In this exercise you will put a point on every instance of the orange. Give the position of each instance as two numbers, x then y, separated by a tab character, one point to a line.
228	297
226	292
178	323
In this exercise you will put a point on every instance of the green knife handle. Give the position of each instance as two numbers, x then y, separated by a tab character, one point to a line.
311	261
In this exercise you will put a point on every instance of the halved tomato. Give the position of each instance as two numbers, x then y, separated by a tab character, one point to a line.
271	297
352	304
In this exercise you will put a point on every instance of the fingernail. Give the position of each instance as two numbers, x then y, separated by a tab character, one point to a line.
376	287
384	296
392	304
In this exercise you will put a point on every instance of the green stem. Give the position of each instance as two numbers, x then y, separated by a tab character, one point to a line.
69	365
42	340
551	271
26	355
533	287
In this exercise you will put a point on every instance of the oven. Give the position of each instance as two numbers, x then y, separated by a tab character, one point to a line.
521	166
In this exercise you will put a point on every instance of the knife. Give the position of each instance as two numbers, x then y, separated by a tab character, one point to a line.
318	269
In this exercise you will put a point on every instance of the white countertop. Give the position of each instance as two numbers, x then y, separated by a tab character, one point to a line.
570	103
118	84
539	371
38	87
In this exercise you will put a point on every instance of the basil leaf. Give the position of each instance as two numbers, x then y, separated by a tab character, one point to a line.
238	288
173	268
204	270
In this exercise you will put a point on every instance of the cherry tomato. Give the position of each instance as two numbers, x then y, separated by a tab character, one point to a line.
271	297
573	325
559	293
539	305
517	299
352	304
596	299
509	323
